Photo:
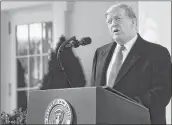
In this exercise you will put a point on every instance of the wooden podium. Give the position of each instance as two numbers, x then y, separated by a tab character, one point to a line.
90	105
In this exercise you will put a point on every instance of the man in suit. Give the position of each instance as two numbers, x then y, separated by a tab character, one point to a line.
137	68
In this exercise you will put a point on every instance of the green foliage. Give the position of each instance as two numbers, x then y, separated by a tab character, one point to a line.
17	117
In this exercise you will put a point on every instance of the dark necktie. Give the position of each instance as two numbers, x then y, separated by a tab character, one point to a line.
116	66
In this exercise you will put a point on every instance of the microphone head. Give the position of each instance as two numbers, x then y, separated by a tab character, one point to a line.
85	41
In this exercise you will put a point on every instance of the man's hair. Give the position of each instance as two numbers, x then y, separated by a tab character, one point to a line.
128	10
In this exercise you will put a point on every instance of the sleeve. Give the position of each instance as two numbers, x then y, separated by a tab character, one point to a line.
160	92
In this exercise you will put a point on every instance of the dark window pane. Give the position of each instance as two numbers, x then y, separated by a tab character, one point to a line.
22	72
47	36
22	40
22	99
45	64
35	36
35	71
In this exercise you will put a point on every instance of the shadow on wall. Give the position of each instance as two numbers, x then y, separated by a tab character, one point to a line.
54	79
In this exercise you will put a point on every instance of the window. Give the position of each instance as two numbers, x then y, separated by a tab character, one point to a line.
32	44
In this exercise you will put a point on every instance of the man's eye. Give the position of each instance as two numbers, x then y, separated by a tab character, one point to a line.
118	18
109	21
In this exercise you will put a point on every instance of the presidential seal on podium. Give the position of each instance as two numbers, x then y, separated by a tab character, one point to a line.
58	112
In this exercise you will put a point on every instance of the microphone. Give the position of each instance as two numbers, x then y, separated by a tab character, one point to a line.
84	41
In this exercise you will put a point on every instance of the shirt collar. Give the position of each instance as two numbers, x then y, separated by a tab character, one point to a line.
130	43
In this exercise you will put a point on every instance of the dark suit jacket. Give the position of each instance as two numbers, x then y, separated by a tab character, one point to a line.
144	76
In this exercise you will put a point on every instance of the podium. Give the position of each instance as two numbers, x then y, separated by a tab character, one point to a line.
90	105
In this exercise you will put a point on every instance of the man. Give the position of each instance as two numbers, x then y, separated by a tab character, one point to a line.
133	66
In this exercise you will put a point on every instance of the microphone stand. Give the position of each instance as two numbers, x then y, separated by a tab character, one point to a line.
61	48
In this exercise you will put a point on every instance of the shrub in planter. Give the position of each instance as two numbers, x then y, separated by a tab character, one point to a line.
17	117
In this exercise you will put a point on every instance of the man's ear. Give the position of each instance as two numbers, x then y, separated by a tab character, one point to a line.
134	22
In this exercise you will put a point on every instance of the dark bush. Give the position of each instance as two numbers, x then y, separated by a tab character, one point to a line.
17	117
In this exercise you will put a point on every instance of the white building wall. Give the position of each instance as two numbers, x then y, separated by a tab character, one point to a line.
5	62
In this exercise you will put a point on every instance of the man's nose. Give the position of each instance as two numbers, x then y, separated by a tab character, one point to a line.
114	23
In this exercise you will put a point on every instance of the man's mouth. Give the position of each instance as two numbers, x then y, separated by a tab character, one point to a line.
115	30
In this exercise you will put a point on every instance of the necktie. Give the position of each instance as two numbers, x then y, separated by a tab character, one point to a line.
116	66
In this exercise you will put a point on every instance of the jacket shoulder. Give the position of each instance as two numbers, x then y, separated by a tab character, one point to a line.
104	47
155	50
154	46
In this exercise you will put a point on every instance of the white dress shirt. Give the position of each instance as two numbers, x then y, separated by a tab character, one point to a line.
128	47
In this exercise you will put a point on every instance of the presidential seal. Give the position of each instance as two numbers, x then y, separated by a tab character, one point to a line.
58	112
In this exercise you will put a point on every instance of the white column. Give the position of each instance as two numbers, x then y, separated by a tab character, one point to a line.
61	11
5	63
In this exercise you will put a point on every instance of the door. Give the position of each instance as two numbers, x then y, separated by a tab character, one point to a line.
31	36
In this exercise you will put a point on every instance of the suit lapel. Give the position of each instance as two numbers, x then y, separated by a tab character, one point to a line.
104	59
131	59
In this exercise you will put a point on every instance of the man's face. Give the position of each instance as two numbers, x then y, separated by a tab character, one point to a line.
120	25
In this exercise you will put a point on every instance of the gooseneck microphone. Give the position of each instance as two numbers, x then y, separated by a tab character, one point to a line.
75	43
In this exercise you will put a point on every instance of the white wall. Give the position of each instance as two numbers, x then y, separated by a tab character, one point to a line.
5	62
87	19
31	14
155	22
155	26
8	5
